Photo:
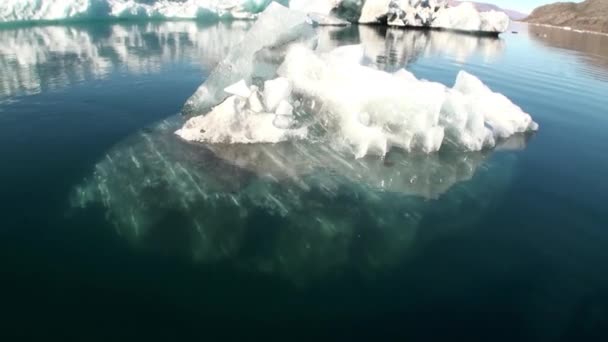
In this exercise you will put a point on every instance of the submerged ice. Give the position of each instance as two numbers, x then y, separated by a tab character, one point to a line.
319	209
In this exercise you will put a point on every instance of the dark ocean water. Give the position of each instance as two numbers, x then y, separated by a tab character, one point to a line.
106	234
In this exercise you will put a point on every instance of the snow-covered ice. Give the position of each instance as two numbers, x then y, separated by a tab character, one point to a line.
245	59
364	110
32	10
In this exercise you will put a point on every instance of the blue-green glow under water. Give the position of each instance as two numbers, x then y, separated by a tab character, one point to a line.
114	229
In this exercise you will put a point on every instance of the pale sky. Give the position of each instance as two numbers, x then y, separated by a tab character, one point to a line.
525	6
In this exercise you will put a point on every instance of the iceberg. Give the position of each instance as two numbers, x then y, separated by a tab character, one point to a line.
411	13
51	10
399	110
362	110
252	55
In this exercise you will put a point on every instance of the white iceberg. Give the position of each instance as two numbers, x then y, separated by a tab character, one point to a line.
412	13
227	123
465	17
33	10
285	26
399	110
363	110
427	13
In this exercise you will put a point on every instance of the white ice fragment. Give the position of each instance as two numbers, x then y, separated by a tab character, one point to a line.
501	115
286	27
240	89
276	91
465	17
284	108
32	10
226	123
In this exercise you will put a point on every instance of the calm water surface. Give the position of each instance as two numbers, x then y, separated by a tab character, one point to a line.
114	229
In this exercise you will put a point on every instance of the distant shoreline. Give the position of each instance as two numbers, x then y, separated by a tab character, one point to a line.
566	28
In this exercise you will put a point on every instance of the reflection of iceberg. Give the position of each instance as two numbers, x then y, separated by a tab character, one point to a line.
318	210
391	49
27	54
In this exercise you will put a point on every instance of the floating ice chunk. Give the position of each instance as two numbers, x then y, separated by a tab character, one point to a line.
369	111
494	21
230	123
240	89
284	108
276	91
465	17
286	27
501	115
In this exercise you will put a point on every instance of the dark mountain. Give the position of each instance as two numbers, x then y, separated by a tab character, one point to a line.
589	15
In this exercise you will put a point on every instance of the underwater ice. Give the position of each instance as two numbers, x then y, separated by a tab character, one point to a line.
31	10
313	202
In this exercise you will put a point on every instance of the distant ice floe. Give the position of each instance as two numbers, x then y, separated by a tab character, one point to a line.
283	140
40	10
334	98
412	13
321	210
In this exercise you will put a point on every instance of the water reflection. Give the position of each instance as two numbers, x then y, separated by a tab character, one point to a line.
593	47
38	58
299	210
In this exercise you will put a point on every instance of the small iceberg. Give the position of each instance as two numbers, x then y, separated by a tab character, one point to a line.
53	10
334	98
408	13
